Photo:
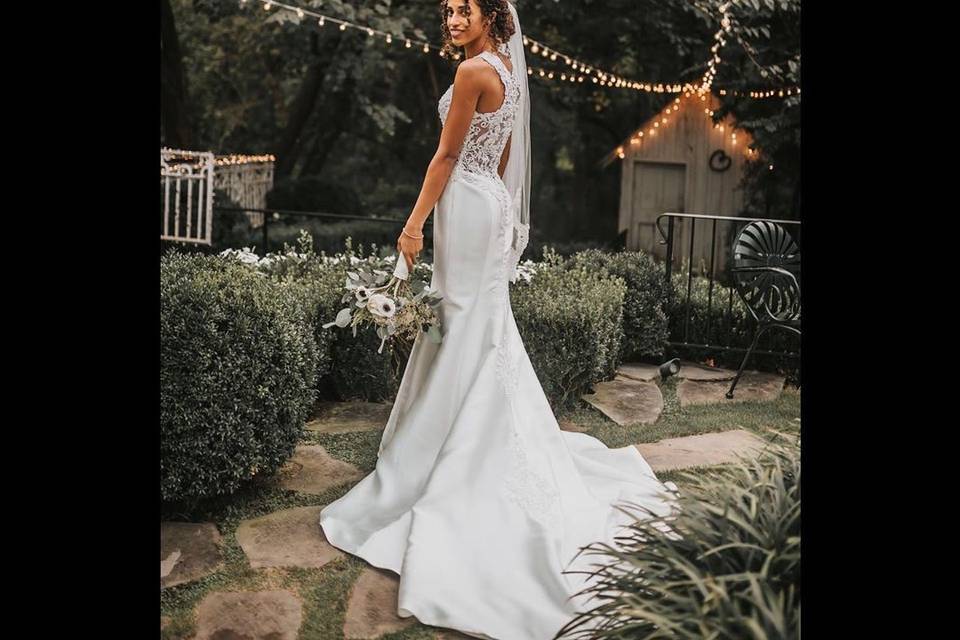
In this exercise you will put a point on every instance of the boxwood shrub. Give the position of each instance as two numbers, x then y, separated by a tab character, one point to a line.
237	373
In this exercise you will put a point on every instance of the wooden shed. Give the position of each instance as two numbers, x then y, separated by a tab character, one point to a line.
680	161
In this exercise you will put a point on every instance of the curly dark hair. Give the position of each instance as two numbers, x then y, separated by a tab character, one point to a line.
500	31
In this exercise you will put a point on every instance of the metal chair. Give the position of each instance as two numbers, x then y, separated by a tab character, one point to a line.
766	274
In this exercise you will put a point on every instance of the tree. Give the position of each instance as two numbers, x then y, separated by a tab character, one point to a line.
174	124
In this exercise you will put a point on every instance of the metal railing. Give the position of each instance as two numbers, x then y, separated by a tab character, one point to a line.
704	341
278	214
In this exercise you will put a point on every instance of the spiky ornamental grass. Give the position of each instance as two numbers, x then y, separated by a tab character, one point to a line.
726	566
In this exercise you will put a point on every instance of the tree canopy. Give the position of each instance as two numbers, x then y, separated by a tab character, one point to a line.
353	111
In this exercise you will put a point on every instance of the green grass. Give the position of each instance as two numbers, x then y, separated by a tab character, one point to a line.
780	415
325	591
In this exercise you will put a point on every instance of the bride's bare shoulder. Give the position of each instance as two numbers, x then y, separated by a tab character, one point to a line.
470	77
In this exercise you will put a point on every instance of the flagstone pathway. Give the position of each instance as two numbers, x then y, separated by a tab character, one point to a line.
292	538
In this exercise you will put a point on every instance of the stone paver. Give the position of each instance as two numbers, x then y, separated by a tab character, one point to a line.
261	615
287	538
627	401
188	552
348	417
703	449
569	425
753	385
640	371
372	608
312	470
695	371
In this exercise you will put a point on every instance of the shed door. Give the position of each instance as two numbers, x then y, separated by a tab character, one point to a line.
658	187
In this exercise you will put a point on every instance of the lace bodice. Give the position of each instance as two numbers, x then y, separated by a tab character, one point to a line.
488	133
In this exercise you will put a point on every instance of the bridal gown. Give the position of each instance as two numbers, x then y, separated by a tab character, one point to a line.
479	501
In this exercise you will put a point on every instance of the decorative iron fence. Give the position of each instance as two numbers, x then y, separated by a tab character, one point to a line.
703	328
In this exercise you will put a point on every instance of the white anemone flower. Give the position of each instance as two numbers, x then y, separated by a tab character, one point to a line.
381	305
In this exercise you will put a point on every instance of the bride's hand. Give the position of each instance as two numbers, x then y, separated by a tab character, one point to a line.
410	247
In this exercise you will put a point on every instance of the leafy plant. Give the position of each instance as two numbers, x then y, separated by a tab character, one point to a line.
725	565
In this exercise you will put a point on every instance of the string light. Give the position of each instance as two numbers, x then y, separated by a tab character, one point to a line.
188	158
636	138
236	158
584	70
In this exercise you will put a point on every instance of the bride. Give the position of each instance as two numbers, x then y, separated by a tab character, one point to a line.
479	501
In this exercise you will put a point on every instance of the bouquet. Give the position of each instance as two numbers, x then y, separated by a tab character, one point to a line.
398	308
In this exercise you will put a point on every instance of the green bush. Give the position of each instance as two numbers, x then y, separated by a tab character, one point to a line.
727	565
328	234
645	324
237	371
357	371
570	319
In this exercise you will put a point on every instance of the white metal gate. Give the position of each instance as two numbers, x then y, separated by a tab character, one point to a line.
186	195
246	180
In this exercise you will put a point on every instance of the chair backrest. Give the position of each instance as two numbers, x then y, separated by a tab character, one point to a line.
766	271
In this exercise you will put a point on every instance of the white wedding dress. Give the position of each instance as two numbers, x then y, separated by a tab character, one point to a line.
479	501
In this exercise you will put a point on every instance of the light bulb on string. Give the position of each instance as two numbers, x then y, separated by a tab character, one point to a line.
596	76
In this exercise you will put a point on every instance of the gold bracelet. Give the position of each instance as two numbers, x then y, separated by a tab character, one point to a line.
404	232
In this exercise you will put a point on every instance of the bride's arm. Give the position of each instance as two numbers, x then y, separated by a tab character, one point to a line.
466	93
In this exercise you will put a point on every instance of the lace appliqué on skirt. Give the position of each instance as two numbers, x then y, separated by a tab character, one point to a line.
535	496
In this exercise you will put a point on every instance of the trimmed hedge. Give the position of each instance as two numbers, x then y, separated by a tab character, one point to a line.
360	373
570	318
237	373
645	323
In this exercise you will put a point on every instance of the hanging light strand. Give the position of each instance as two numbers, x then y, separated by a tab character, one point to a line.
658	124
579	71
322	20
